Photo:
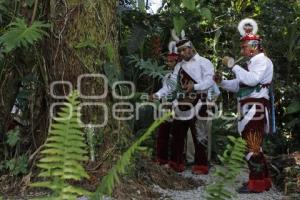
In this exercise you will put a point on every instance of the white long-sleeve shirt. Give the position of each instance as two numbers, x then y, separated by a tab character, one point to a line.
260	71
201	70
168	83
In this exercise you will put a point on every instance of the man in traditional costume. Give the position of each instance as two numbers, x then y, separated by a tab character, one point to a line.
168	84
195	77
252	88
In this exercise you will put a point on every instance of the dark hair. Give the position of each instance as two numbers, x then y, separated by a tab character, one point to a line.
181	42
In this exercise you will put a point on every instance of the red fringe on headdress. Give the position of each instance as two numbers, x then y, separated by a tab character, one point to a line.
251	37
172	56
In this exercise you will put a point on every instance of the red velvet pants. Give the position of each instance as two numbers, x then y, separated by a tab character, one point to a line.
179	131
162	142
259	179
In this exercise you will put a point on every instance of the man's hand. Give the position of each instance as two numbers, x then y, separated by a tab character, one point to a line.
228	61
188	86
218	78
153	97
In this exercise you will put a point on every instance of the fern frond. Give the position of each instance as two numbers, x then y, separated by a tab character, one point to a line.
108	181
232	163
19	34
149	67
64	152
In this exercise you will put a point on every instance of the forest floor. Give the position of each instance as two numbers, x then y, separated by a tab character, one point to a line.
159	182
150	181
165	184
199	192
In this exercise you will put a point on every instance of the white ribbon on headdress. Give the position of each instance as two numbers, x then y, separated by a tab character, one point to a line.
187	44
172	47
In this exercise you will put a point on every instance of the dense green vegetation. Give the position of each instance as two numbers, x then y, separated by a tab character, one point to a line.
46	41
212	27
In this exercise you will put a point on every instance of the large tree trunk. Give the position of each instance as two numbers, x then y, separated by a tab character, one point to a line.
84	39
12	72
9	85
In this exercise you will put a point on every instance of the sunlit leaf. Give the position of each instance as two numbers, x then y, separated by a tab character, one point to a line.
189	4
179	23
206	13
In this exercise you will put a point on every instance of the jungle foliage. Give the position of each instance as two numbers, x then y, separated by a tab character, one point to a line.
65	151
51	40
232	162
211	26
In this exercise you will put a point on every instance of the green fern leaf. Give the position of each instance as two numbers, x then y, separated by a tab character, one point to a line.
13	137
108	181
149	67
64	152
46	184
233	161
21	35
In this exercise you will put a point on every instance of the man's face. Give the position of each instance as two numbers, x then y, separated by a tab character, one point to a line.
170	62
247	50
186	53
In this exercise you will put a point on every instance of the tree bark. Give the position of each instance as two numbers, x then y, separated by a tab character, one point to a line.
84	38
9	85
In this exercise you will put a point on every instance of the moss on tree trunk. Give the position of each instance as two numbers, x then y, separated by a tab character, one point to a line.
84	38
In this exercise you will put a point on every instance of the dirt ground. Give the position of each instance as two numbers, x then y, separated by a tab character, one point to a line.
150	174
136	184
